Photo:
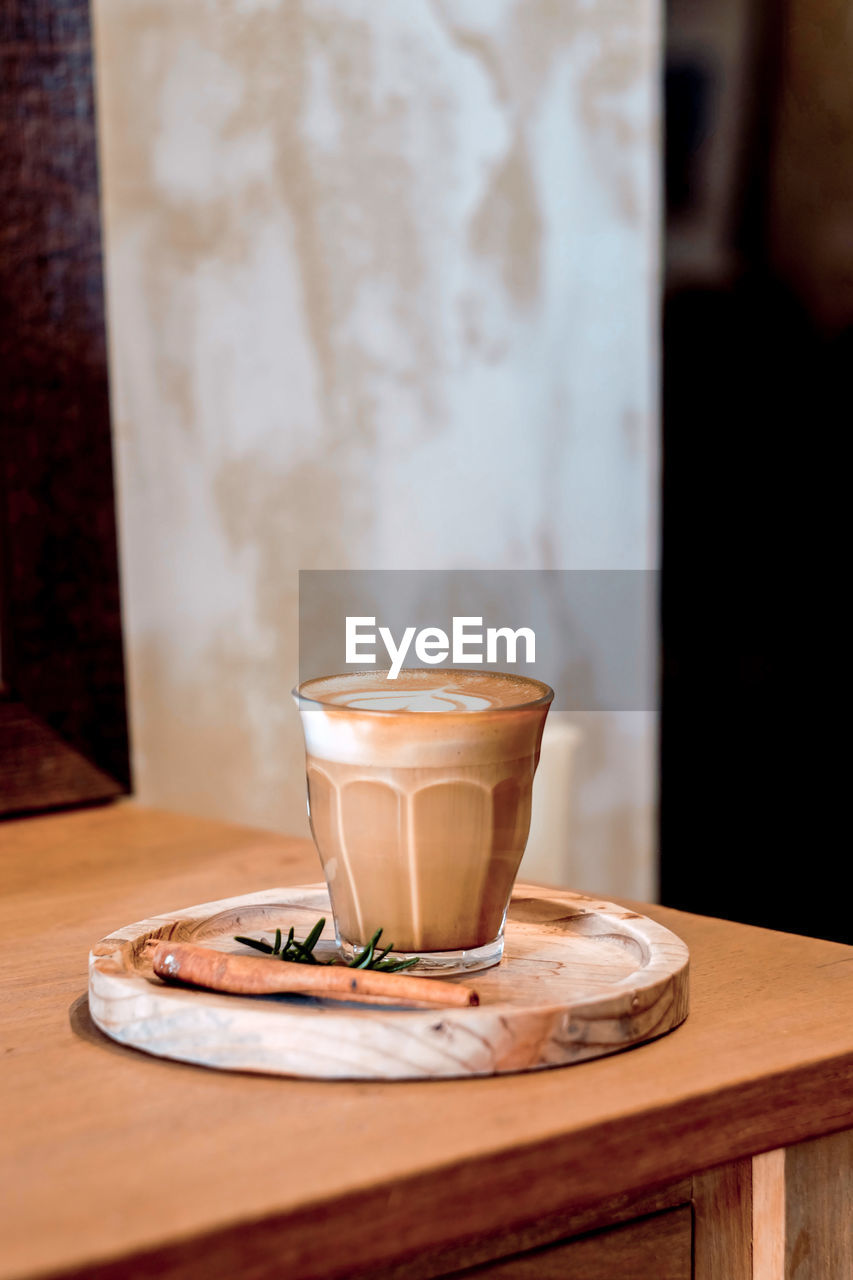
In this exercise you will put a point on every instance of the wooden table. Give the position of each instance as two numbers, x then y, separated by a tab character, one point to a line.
706	1153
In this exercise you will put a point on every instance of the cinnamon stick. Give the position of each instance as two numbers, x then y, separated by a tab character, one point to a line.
257	975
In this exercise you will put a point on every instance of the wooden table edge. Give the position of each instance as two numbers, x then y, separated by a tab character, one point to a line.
375	1229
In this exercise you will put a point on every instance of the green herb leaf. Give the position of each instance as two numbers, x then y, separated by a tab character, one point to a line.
296	952
396	966
365	960
257	943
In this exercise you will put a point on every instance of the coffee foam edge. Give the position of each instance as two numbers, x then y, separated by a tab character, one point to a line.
346	736
445	691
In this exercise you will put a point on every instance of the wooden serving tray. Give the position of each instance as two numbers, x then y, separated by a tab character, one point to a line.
580	978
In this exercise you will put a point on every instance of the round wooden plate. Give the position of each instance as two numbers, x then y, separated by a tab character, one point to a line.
580	978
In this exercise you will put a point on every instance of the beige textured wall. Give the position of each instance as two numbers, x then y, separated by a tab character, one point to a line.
382	294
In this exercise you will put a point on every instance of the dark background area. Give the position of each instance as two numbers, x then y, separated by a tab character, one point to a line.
758	340
63	725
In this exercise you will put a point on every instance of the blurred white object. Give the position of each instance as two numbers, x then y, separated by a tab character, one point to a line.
547	856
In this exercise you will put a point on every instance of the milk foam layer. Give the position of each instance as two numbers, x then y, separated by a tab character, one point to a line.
444	698
445	691
423	719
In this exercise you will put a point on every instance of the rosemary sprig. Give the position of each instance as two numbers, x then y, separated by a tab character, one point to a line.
303	952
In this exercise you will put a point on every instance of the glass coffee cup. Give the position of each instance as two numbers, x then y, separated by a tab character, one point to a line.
419	794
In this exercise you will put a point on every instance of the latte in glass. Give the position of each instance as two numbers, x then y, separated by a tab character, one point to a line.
419	793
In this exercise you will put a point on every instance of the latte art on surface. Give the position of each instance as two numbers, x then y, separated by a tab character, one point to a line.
443	698
451	692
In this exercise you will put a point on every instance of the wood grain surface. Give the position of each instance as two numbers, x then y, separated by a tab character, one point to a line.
785	1214
722	1201
580	979
657	1248
768	1215
818	1235
252	1175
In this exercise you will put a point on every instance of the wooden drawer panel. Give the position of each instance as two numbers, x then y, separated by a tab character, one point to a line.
654	1248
